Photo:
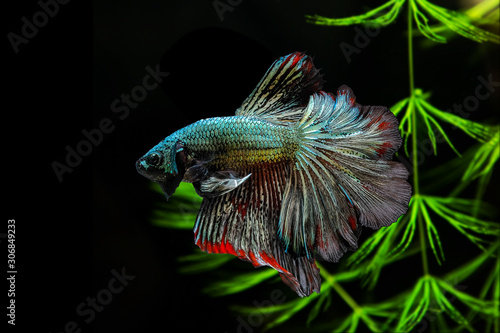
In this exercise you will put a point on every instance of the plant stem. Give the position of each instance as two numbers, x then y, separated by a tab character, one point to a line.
411	103
423	247
410	48
331	280
353	304
412	109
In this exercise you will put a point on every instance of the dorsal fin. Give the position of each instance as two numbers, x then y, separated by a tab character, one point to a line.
284	90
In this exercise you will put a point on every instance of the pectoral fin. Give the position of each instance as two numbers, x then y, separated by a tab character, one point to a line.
196	173
218	183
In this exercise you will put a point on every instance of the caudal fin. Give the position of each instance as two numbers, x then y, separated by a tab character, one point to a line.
343	178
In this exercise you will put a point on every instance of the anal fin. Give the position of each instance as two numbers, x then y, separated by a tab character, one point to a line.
244	223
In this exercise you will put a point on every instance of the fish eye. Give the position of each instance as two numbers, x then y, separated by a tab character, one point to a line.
154	159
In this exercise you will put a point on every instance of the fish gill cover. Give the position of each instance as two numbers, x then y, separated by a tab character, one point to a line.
438	298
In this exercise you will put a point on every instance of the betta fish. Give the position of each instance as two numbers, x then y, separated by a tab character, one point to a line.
292	177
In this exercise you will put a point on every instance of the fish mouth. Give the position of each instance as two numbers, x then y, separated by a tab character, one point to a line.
141	166
150	172
167	182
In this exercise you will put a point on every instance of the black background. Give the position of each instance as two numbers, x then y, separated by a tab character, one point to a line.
72	234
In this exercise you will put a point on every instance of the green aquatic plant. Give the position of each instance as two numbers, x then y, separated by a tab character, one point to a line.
437	295
422	12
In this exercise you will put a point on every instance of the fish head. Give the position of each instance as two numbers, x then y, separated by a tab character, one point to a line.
164	164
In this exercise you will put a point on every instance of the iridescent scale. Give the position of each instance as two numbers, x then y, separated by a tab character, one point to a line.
239	142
